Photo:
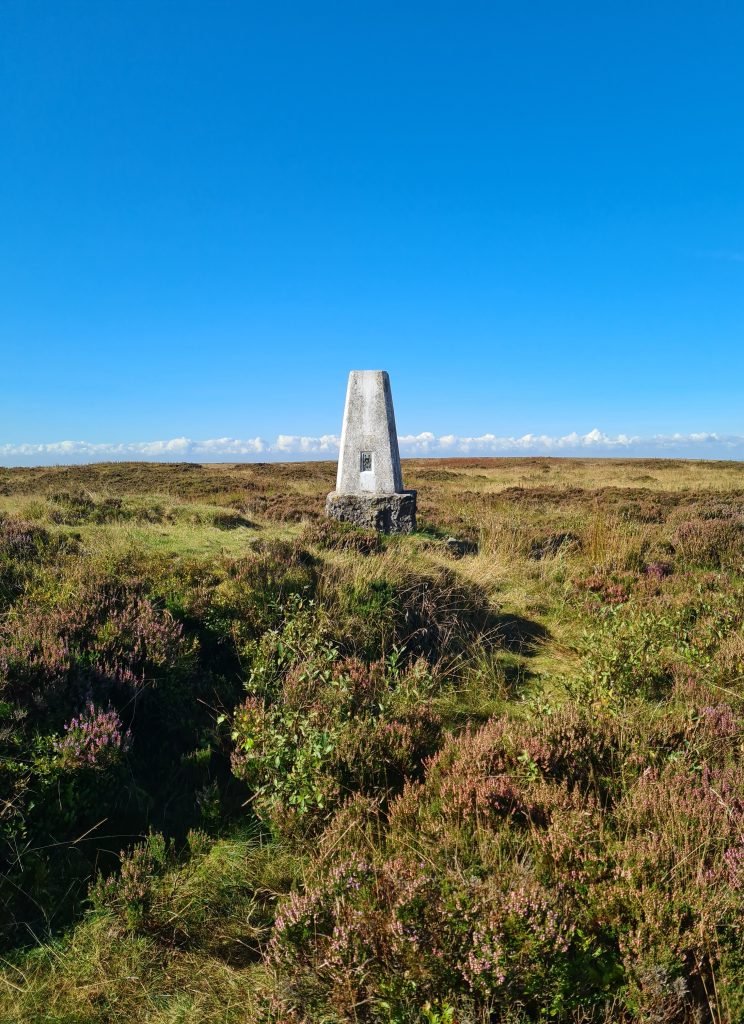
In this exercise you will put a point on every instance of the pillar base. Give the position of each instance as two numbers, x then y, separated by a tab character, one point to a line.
386	513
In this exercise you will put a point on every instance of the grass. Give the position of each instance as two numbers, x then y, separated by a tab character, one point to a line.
319	777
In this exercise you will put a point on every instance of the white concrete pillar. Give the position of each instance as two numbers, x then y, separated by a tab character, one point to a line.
369	484
369	461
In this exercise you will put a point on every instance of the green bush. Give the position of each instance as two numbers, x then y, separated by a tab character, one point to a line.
316	726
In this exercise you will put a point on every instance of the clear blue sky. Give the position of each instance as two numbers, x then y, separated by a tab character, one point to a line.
532	215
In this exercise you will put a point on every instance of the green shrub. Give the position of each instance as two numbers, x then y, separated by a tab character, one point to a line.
317	726
640	649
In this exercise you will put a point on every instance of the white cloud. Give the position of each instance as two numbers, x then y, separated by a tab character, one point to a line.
594	442
288	446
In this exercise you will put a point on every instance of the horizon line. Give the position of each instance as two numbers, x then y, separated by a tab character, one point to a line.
708	445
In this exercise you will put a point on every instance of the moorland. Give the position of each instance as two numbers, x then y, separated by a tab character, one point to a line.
260	766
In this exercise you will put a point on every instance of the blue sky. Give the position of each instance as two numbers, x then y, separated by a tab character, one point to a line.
531	215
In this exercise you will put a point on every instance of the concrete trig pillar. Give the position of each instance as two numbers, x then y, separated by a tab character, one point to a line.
369	484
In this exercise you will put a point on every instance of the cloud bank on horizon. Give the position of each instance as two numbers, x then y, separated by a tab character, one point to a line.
702	445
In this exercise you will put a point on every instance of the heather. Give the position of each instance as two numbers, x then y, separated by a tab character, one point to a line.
256	765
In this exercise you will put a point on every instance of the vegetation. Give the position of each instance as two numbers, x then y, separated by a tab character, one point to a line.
259	766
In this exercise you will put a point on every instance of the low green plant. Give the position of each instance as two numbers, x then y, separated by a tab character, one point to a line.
317	726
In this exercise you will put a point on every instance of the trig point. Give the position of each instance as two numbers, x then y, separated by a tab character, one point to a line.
369	485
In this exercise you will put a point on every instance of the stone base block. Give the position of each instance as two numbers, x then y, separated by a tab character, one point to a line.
387	513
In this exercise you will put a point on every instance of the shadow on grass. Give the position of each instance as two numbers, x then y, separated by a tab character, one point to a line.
517	634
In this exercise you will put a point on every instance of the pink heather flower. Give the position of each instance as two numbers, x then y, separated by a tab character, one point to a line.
94	738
